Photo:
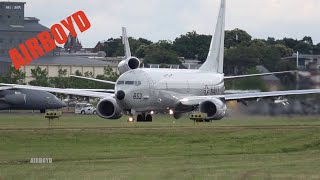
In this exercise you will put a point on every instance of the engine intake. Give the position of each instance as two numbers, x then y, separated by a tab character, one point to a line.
109	109
214	108
128	64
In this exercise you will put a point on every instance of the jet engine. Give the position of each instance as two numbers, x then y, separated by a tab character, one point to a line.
14	99
108	108
214	108
128	64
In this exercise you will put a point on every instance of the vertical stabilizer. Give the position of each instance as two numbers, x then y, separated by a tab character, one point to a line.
214	62
125	42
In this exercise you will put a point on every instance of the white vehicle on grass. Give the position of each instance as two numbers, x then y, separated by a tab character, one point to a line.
85	108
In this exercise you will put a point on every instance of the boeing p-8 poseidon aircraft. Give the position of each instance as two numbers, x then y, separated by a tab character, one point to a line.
140	91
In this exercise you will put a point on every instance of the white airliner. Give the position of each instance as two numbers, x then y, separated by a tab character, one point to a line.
141	92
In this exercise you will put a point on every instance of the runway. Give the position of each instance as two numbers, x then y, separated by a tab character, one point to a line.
184	128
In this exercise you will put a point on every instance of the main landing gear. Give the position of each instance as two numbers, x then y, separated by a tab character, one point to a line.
143	117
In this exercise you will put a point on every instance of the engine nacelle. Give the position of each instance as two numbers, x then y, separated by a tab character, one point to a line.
108	109
214	108
128	64
15	99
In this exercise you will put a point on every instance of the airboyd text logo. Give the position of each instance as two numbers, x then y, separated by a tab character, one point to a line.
41	160
38	46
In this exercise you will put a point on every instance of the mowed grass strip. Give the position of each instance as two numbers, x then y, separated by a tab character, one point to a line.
36	121
176	152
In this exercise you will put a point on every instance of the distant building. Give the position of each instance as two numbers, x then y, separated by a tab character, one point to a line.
305	60
15	29
309	67
98	47
71	63
73	44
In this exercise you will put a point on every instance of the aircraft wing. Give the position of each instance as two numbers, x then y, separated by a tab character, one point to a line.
255	75
93	79
5	88
77	92
95	90
195	100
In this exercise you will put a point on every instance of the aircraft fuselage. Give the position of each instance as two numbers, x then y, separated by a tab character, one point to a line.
24	99
160	89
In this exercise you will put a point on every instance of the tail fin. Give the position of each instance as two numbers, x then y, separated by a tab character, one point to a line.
214	62
125	42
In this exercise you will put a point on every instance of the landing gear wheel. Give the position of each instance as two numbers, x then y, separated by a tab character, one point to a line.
149	118
140	118
42	111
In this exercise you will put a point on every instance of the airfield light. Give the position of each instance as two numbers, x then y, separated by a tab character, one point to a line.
171	112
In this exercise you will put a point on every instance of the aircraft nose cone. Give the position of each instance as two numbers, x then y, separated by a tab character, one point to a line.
62	104
58	105
120	95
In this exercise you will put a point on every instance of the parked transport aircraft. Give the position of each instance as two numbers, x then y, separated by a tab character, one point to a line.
26	99
143	92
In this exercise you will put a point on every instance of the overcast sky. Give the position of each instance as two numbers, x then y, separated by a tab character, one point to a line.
168	19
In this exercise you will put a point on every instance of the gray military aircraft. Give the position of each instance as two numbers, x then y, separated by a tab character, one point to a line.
143	92
25	99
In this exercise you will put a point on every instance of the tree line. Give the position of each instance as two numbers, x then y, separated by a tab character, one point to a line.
242	52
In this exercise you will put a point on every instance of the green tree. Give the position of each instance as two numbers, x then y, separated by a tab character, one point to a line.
40	77
109	75
236	37
289	42
113	47
317	49
255	83
14	77
283	50
157	55
241	58
192	46
308	40
304	48
62	80
271	41
141	51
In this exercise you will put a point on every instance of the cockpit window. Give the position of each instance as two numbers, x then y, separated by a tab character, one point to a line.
129	82
136	83
120	82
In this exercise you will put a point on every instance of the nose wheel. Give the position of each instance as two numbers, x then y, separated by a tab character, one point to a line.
144	117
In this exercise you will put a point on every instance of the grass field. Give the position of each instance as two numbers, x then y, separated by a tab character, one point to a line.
87	147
